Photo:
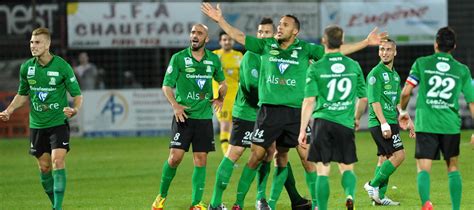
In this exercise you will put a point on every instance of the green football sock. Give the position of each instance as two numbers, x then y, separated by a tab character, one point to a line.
245	181
224	172
290	186
279	178
383	186
455	189
322	187
383	189
59	177
311	178
167	176
348	182
199	181
423	180
262	177
384	173
48	184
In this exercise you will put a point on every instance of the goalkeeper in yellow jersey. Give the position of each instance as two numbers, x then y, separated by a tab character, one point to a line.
230	60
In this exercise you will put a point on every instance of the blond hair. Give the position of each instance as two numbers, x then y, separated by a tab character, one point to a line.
40	31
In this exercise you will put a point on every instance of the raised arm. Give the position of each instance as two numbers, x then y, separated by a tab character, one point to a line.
373	39
216	15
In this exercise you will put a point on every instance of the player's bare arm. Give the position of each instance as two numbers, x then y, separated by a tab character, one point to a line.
215	13
360	109
18	101
385	127
471	108
373	39
178	109
77	104
219	101
306	111
404	99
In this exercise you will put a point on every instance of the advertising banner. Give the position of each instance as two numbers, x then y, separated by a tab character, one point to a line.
143	112
130	24
407	22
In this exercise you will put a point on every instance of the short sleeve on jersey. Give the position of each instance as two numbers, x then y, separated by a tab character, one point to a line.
316	52
254	44
70	81
414	76
361	88
23	88
311	87
374	87
219	74
172	73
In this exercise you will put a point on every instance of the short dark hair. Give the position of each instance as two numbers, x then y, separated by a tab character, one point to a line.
446	39
266	20
334	36
297	22
221	34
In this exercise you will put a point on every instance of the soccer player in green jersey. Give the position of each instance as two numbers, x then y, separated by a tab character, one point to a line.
440	80
383	92
191	71
284	61
44	80
244	114
333	83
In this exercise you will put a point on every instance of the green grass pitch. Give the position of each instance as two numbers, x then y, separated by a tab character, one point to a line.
124	173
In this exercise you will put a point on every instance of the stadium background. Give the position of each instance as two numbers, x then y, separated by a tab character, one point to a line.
148	62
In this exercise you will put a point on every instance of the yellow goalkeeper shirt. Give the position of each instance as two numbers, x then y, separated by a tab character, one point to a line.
231	66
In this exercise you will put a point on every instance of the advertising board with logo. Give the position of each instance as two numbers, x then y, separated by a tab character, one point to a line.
126	113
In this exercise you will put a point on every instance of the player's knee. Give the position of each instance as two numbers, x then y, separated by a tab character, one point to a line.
234	154
309	166
399	157
174	161
58	163
452	164
45	168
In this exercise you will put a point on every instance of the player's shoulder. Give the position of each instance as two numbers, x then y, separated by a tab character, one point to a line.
305	45
350	60
181	53
426	58
376	69
59	60
459	65
218	51
212	55
28	62
251	55
237	53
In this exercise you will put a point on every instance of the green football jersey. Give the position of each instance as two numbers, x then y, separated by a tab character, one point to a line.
283	71
440	80
246	101
335	80
383	87
46	87
193	81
